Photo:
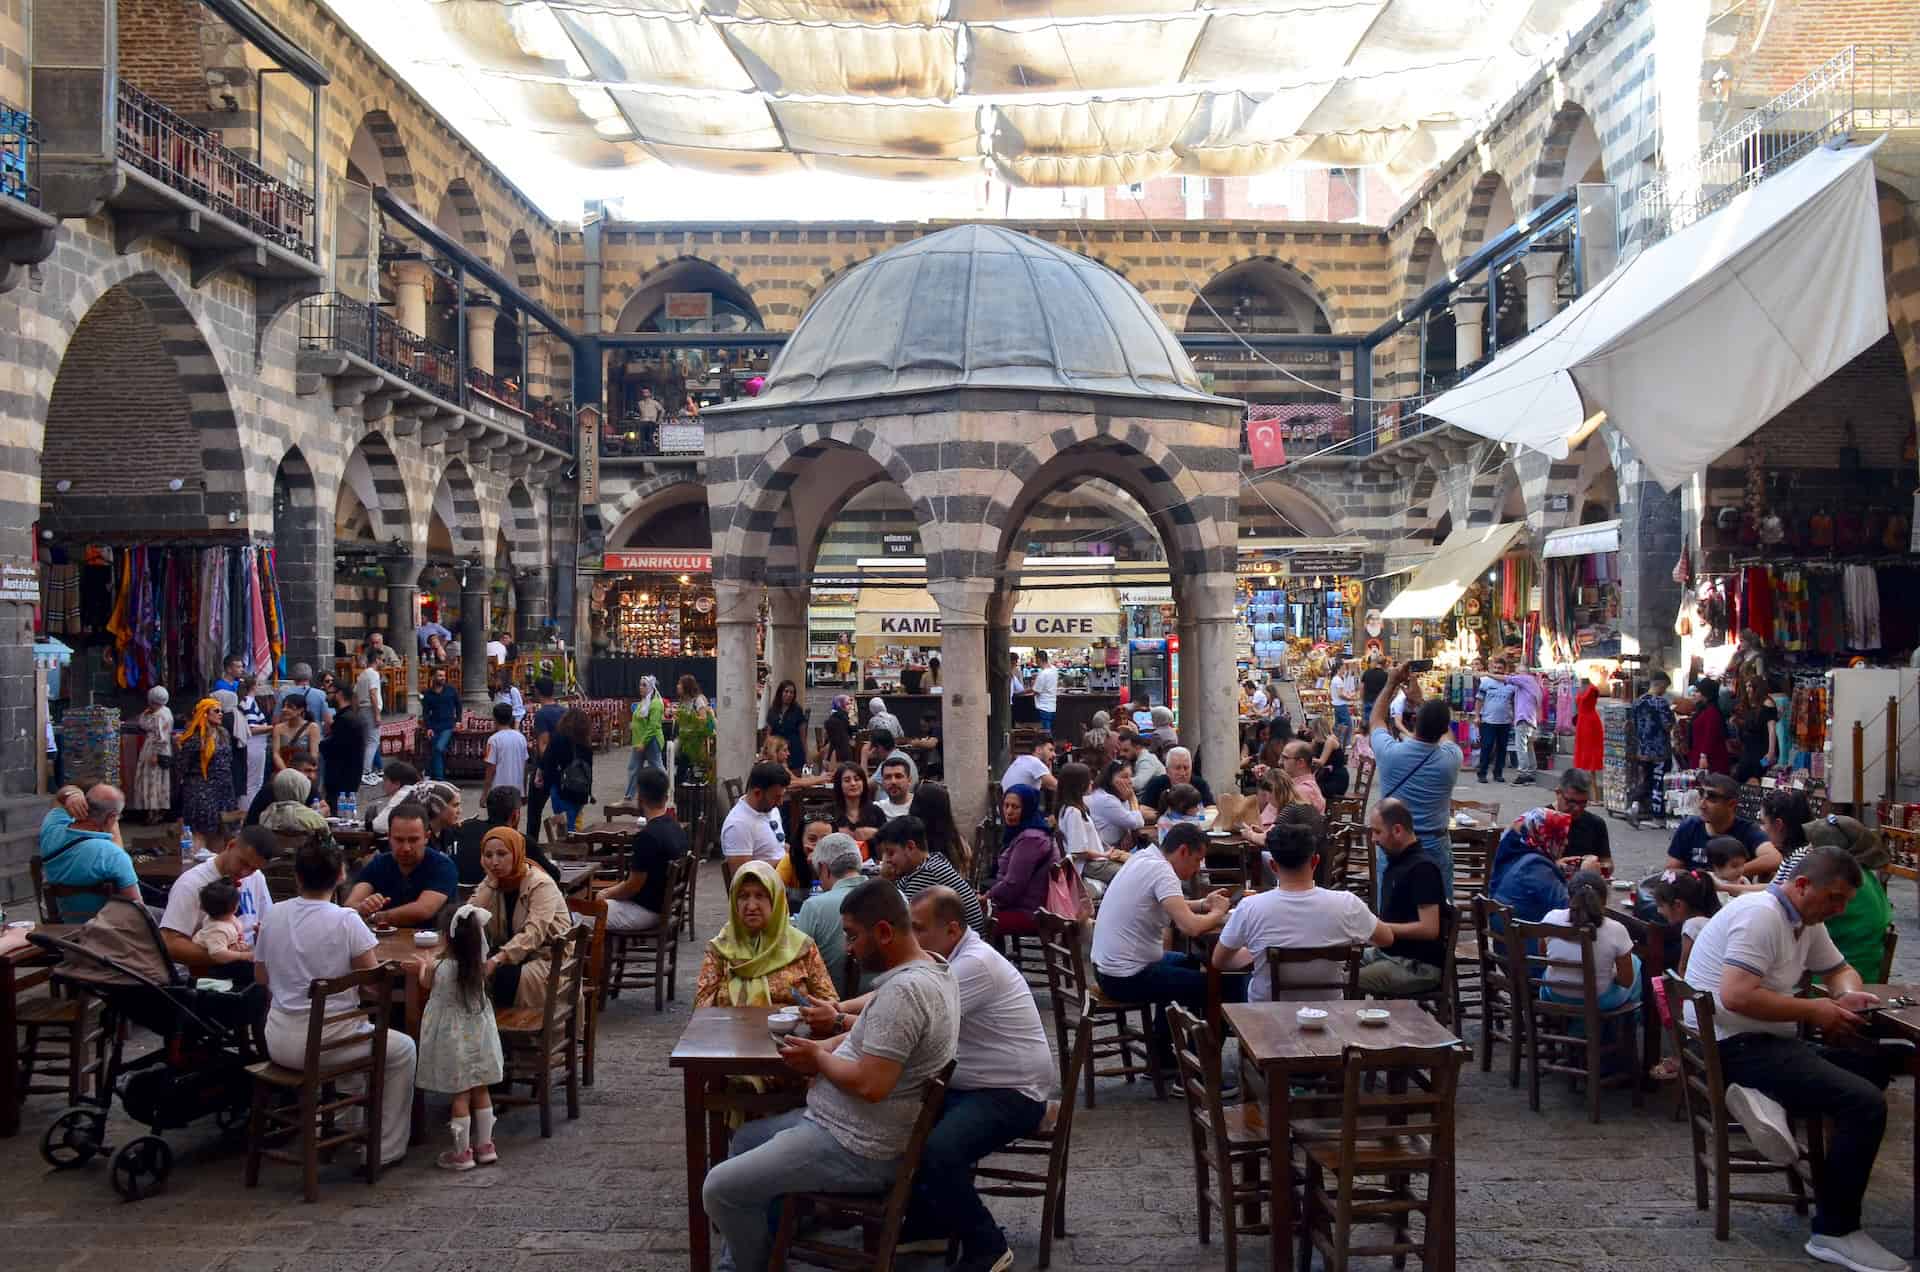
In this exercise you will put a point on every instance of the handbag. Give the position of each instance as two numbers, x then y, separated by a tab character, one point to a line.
1066	895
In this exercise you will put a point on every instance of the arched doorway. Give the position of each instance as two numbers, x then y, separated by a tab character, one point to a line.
1263	297
372	534
1426	267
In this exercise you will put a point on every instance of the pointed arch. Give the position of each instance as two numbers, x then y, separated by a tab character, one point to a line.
373	477
734	308
456	501
1489	211
377	156
460	216
1570	153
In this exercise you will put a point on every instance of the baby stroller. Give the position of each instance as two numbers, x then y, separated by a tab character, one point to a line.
207	1037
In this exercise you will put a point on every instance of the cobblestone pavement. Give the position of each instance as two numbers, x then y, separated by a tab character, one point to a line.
1536	1191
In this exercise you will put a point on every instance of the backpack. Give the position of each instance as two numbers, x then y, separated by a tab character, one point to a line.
576	780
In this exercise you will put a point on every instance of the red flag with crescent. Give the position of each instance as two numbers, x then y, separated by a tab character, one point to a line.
1268	448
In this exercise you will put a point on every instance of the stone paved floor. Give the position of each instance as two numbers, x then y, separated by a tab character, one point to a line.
1536	1191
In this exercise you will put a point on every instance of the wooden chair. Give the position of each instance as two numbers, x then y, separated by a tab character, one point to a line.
1357	869
74	1028
993	1177
1472	865
1362	788
1703	1088
536	1040
878	1216
1499	1020
1886	958
593	989
1232	1169
282	885
312	1100
651	960
1068	981
683	914
1553	1044
733	788
1440	999
1333	971
1393	1136
49	895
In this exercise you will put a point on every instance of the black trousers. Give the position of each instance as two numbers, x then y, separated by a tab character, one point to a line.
536	811
1848	1087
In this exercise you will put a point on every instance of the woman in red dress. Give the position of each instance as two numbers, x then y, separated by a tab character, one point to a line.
1709	729
1589	739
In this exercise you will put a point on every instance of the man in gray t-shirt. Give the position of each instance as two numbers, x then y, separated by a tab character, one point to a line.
867	1086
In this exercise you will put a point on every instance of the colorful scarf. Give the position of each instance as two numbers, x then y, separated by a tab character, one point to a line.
1544	830
749	958
205	726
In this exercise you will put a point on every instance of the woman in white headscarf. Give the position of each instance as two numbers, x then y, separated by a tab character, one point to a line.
878	717
646	734
153	772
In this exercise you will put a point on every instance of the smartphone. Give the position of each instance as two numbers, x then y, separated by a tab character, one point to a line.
1419	665
801	999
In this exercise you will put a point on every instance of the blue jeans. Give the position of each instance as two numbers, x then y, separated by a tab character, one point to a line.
568	809
1614	995
972	1124
437	766
640	757
769	1159
1493	747
1046	720
1176	978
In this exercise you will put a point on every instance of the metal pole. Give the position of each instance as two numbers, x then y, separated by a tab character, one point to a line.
460	333
1859	766
525	342
1893	745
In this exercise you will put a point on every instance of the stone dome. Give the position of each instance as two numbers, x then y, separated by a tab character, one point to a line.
979	306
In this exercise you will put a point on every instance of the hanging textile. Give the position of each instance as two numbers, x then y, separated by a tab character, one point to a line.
276	621
1863	607
259	659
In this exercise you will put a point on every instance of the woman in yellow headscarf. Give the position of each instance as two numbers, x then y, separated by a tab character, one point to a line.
205	767
759	958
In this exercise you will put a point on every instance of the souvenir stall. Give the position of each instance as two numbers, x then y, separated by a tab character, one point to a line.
1579	611
652	614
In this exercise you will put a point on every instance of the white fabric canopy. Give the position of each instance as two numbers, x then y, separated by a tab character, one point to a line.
1445	576
1706	335
1074	92
1574	541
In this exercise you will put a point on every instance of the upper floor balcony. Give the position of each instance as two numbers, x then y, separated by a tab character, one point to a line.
26	232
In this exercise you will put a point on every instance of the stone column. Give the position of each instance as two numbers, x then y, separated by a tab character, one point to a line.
1543	285
1469	325
412	283
737	621
1206	601
1652	532
787	637
403	595
1190	705
474	596
532	607
964	607
480	336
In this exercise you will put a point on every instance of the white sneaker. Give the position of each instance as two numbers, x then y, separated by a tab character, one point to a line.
1765	1122
1856	1250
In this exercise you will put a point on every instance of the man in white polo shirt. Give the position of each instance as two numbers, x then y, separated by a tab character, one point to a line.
1294	915
1001	1081
753	830
1751	956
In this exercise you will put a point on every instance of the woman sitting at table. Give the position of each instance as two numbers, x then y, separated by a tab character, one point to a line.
853	808
1526	866
759	958
1330	767
1077	835
527	914
1116	815
932	805
837	747
294	737
1027	855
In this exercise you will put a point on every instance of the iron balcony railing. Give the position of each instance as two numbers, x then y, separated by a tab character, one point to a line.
1860	89
545	421
19	154
193	161
341	324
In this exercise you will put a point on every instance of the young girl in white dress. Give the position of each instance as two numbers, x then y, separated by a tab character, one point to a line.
459	1042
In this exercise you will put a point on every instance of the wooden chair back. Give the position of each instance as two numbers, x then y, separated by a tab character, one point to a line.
1357	857
1472	863
1886	957
1197	1054
734	788
282	883
1579	1049
593	985
321	1019
1223	1138
1066	969
1314	972
1501	1017
1363	773
48	895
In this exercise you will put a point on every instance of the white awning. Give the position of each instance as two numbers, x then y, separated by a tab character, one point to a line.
1706	335
1600	536
1446	575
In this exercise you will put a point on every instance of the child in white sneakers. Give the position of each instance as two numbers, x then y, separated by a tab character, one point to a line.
459	1042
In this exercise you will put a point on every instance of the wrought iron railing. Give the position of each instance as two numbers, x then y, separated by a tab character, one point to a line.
501	389
342	324
545	421
1858	90
551	422
193	161
19	153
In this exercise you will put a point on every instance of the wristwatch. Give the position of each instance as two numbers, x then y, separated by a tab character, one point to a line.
840	1021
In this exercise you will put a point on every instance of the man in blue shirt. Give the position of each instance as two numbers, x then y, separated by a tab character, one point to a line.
236	667
1720	815
1418	771
1496	720
77	849
545	719
440	712
408	884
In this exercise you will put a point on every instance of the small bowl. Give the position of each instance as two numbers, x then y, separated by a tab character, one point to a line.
426	936
384	929
781	1023
1373	1015
1311	1018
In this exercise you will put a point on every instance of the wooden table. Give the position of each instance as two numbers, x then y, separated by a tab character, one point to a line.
1650	943
163	870
1271	1037
1904	1024
576	877
719	1043
616	833
10	965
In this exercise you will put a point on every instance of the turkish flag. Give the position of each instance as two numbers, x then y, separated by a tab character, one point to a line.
1269	450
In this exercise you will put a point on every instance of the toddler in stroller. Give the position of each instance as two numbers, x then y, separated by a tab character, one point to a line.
207	1039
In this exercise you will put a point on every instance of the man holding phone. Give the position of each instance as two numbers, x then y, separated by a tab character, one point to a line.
1418	771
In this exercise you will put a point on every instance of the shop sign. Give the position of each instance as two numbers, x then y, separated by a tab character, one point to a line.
1088	625
896	545
19	583
659	562
689	306
1559	503
681	435
910	625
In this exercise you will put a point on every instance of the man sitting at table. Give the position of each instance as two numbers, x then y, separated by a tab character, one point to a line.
902	845
396	777
1720	815
861	1110
1751	957
409	883
1134	750
897	780
1296	760
80	848
753	830
836	864
1587	839
1178	772
1411	894
1034	769
636	903
998	1094
1294	914
240	863
1130	958
502	808
879	747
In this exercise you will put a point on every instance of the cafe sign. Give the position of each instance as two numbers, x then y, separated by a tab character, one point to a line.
659	562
